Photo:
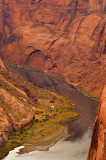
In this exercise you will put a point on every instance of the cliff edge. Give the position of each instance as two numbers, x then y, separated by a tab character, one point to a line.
98	143
16	110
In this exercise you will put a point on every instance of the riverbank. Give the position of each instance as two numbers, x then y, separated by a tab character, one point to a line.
51	111
45	143
79	88
77	141
41	133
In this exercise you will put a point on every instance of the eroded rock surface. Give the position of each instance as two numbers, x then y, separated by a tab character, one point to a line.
98	143
16	110
66	38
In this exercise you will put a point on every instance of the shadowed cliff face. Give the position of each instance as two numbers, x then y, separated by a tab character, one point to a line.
98	144
62	37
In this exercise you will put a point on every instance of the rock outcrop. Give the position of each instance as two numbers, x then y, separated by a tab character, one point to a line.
18	102
16	110
98	143
66	38
3	66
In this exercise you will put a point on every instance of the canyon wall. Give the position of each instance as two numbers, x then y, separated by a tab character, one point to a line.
98	143
64	37
16	110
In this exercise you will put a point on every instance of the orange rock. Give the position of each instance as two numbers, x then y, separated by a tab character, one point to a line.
14	114
98	143
69	32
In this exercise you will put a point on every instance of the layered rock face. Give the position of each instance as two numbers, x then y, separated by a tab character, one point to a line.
64	37
16	110
98	143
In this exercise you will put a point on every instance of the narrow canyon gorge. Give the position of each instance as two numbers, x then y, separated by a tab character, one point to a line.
65	38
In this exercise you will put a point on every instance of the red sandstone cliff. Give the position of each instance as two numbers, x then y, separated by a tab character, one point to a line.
98	143
16	110
18	102
65	38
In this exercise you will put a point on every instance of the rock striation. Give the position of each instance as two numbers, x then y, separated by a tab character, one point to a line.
29	114
98	143
66	38
3	66
16	110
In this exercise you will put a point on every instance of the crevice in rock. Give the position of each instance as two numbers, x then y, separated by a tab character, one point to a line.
99	39
53	42
78	28
95	31
104	51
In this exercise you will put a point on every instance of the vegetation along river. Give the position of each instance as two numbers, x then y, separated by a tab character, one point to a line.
75	145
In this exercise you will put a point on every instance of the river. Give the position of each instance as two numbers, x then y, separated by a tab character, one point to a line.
75	145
